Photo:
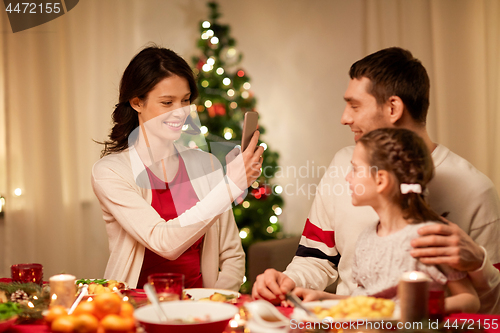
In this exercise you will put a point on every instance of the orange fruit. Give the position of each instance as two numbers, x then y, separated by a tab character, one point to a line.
86	323
115	323
55	312
85	307
107	303
130	321
64	324
127	310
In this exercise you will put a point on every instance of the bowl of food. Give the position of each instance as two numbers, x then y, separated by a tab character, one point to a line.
8	315
187	317
100	286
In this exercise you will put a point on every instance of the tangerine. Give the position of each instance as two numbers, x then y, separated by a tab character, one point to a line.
64	324
85	307
115	323
130	321
127	310
55	311
107	303
86	323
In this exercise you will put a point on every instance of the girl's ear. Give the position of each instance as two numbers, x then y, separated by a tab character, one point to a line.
395	108
383	181
136	104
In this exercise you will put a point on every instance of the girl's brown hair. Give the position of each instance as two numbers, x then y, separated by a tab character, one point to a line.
404	154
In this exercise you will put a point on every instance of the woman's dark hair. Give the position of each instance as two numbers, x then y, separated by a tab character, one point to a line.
404	154
395	72
142	74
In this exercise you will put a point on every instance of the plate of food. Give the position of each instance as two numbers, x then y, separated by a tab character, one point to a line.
357	308
100	286
210	294
8	315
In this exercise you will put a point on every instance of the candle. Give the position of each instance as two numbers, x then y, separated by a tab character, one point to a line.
413	294
62	290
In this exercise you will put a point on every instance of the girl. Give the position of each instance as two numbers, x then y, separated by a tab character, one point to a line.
167	207
390	170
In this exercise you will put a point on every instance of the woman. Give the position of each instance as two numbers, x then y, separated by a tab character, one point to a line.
168	208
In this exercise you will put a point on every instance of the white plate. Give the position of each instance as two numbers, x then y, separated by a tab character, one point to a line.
327	304
197	293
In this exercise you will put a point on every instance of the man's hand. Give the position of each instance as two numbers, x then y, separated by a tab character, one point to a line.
447	244
272	286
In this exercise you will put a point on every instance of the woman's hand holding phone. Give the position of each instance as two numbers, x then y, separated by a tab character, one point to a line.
243	168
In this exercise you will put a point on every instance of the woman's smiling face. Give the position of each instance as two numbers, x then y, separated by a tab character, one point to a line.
166	108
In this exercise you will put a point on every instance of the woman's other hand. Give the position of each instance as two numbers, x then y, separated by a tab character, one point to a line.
244	167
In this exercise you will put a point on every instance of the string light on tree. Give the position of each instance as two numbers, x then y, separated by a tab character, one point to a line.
228	133
244	233
207	68
205	24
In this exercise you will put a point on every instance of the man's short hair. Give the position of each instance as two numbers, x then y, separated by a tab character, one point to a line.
395	72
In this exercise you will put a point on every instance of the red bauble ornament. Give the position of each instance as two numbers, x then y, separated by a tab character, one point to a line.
200	64
217	109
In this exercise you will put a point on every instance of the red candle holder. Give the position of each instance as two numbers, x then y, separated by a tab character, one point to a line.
24	273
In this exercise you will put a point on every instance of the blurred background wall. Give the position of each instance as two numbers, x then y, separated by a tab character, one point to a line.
59	82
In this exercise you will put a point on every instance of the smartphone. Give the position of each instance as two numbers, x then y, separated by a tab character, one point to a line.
249	127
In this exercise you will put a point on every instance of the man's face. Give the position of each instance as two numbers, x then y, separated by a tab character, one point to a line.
362	113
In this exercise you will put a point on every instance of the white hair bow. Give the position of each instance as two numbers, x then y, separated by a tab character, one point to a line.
411	188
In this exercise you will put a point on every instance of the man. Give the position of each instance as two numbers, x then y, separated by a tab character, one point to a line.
390	88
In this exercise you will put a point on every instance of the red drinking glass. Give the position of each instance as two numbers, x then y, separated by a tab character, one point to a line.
168	286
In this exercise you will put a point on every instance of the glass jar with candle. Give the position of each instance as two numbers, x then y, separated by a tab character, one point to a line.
62	290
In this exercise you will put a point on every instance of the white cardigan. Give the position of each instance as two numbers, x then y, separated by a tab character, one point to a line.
133	224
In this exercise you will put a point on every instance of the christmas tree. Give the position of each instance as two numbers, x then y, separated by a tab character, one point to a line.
225	96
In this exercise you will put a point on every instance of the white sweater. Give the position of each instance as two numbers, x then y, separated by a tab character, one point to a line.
133	224
328	243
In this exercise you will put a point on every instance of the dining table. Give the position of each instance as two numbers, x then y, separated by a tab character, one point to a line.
459	322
